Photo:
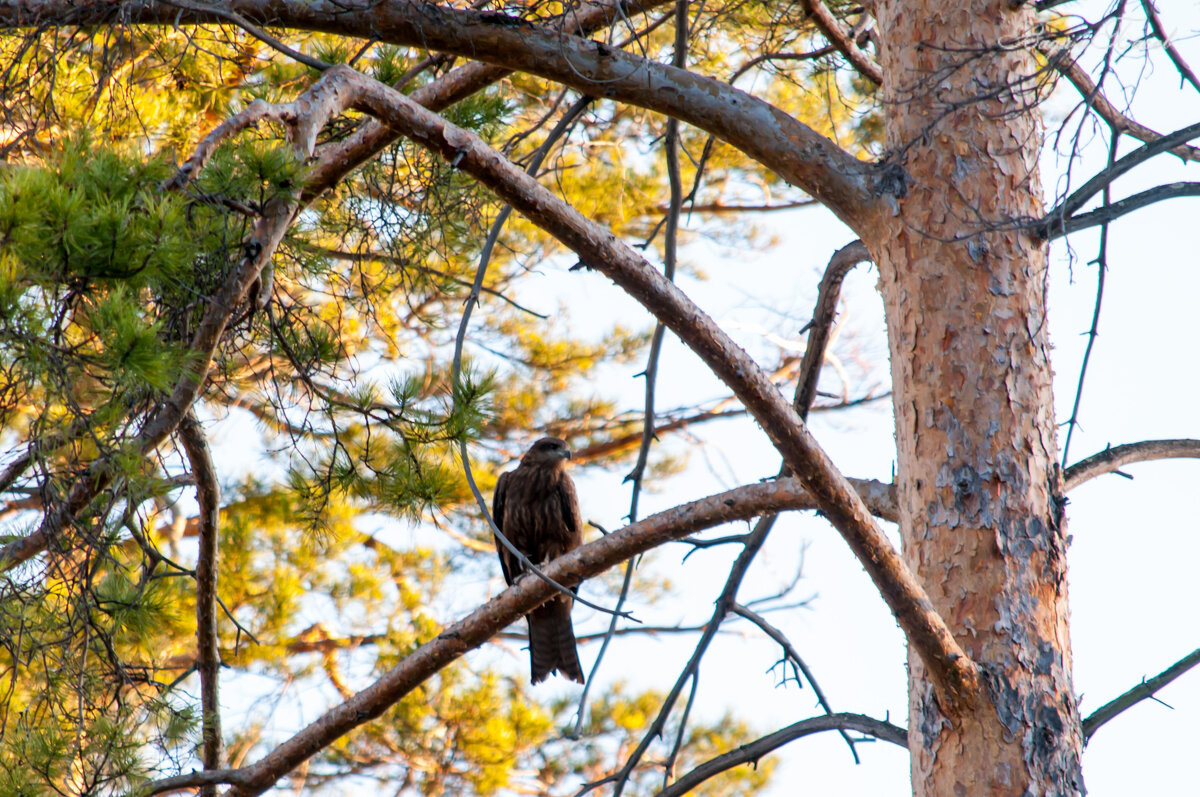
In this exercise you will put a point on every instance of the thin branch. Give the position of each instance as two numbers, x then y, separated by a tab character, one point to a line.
492	617
679	60
753	751
793	655
208	659
405	265
253	30
1116	210
1138	693
1062	61
1116	167
843	39
1185	72
1112	459
485	257
1101	263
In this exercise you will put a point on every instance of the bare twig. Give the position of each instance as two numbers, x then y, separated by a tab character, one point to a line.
1101	263
1138	693
253	30
208	659
1185	72
793	656
651	371
1061	60
753	751
1111	460
1065	212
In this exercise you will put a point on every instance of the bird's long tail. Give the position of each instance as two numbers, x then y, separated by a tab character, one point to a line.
552	641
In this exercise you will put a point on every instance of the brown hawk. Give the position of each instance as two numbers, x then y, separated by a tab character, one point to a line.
535	507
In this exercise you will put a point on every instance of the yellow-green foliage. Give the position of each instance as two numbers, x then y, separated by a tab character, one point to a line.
105	276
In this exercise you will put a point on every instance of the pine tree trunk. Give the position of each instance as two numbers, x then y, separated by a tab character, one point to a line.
980	491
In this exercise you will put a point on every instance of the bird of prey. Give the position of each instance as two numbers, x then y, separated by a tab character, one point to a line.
535	507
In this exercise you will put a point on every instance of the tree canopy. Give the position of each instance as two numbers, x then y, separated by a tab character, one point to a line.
267	341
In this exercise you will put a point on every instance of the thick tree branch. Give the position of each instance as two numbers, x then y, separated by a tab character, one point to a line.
489	619
208	659
793	150
1138	693
1111	460
753	751
954	674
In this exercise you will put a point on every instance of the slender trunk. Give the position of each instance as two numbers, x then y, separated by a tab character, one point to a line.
979	489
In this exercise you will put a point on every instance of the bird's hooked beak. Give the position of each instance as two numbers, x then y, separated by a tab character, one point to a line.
566	454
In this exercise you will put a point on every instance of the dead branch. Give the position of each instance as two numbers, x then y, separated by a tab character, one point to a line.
208	659
821	325
1138	693
753	751
1112	459
1121	208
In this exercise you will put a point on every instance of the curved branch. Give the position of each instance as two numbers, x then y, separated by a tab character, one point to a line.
955	675
796	152
341	157
828	294
1185	72
1138	693
489	619
1112	459
753	751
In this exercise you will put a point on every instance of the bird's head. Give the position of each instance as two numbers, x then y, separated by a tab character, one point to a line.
547	452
